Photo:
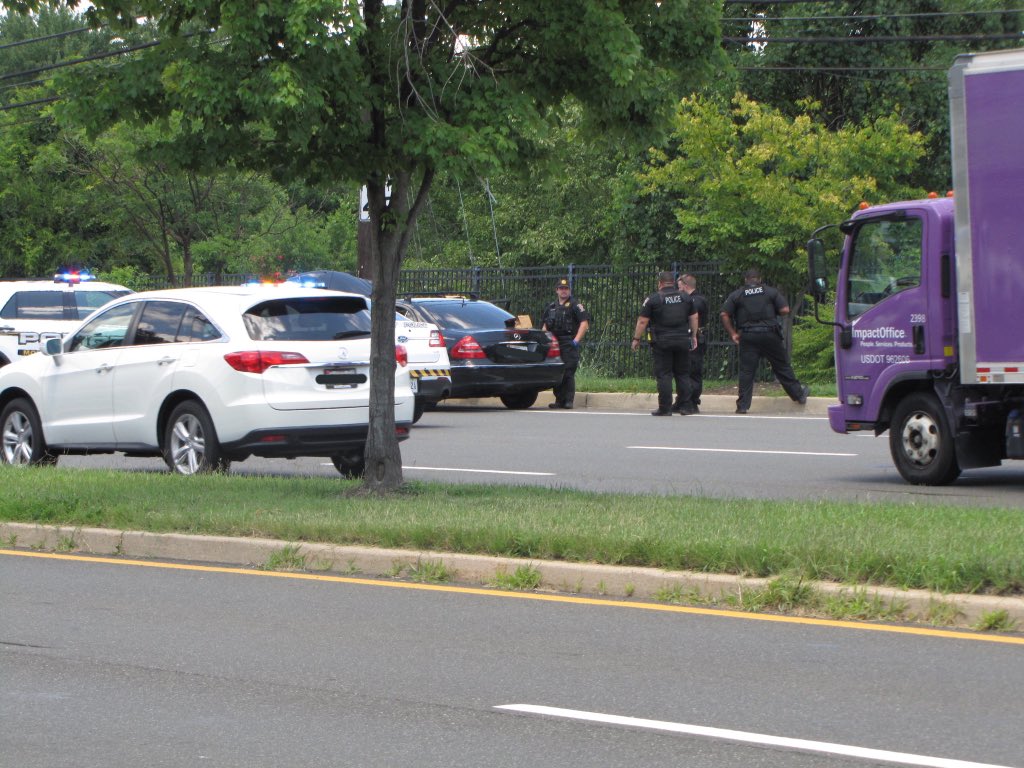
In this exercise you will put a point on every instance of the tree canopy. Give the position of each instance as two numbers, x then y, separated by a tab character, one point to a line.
748	184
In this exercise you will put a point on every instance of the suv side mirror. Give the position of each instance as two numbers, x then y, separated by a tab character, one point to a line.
53	347
816	269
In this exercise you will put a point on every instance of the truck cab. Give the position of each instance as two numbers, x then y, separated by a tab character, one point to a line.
893	308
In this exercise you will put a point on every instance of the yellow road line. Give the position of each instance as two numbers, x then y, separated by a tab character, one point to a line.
920	631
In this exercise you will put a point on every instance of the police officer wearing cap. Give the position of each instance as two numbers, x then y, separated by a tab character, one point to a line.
751	316
672	319
568	321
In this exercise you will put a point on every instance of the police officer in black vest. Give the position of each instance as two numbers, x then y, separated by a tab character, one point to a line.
688	284
672	319
569	322
751	316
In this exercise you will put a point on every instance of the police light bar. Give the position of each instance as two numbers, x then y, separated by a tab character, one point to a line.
307	282
73	276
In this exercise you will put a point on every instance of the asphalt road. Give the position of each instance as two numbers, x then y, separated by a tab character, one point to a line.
119	665
720	455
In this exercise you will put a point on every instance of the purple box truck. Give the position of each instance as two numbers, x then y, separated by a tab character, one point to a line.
929	315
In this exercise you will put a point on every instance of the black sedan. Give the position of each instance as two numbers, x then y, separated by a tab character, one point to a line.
490	356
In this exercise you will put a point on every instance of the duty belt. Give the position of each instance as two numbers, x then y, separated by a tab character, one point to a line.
756	329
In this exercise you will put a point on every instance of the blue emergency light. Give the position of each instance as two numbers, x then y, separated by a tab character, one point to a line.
72	276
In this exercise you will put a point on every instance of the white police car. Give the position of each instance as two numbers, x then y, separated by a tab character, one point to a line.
32	311
429	366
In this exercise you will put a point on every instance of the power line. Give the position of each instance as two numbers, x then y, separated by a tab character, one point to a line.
46	37
33	103
83	60
868	16
846	69
875	38
779	2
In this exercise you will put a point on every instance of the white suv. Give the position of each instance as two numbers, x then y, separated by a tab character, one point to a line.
32	311
203	377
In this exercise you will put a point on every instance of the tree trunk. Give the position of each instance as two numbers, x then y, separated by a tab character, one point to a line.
391	222
383	457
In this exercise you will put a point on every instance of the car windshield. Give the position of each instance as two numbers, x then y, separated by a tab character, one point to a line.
466	315
308	319
87	301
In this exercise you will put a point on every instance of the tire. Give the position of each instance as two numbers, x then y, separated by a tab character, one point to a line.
22	442
417	410
350	463
921	441
519	401
190	441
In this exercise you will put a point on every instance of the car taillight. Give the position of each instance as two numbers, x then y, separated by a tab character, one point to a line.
401	355
436	339
553	350
257	361
467	348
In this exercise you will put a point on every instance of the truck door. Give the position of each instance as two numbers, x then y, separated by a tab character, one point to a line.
885	300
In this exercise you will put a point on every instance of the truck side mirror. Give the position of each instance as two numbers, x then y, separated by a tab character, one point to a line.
817	269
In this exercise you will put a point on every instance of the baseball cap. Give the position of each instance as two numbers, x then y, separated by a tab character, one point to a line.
563	283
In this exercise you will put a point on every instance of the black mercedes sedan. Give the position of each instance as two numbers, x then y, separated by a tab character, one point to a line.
491	356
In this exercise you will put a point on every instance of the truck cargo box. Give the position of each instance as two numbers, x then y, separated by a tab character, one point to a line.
986	93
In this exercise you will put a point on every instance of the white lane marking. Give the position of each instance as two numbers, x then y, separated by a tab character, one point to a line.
481	471
902	758
733	450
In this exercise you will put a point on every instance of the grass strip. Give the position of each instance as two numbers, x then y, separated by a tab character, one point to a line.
971	550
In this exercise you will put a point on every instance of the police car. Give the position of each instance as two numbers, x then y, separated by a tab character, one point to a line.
428	363
32	311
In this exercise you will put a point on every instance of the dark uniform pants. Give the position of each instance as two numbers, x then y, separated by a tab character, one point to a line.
695	375
565	392
671	364
767	345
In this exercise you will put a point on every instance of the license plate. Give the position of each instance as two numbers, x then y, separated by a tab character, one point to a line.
340	378
414	385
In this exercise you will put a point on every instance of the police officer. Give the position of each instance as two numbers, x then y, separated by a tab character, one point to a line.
568	321
688	284
672	319
751	316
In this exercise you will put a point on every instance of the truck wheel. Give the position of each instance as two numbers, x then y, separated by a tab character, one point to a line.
921	441
23	443
518	401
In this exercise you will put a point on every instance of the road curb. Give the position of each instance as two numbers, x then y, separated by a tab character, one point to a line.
648	401
479	570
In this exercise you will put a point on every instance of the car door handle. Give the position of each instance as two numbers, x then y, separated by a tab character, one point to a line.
166	360
105	368
6	328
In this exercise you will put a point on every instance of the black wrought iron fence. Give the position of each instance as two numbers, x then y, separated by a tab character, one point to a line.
613	296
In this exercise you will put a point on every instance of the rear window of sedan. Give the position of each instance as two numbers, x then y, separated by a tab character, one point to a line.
469	314
308	318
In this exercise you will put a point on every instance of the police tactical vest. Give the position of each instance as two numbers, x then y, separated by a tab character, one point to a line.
755	305
559	318
670	318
